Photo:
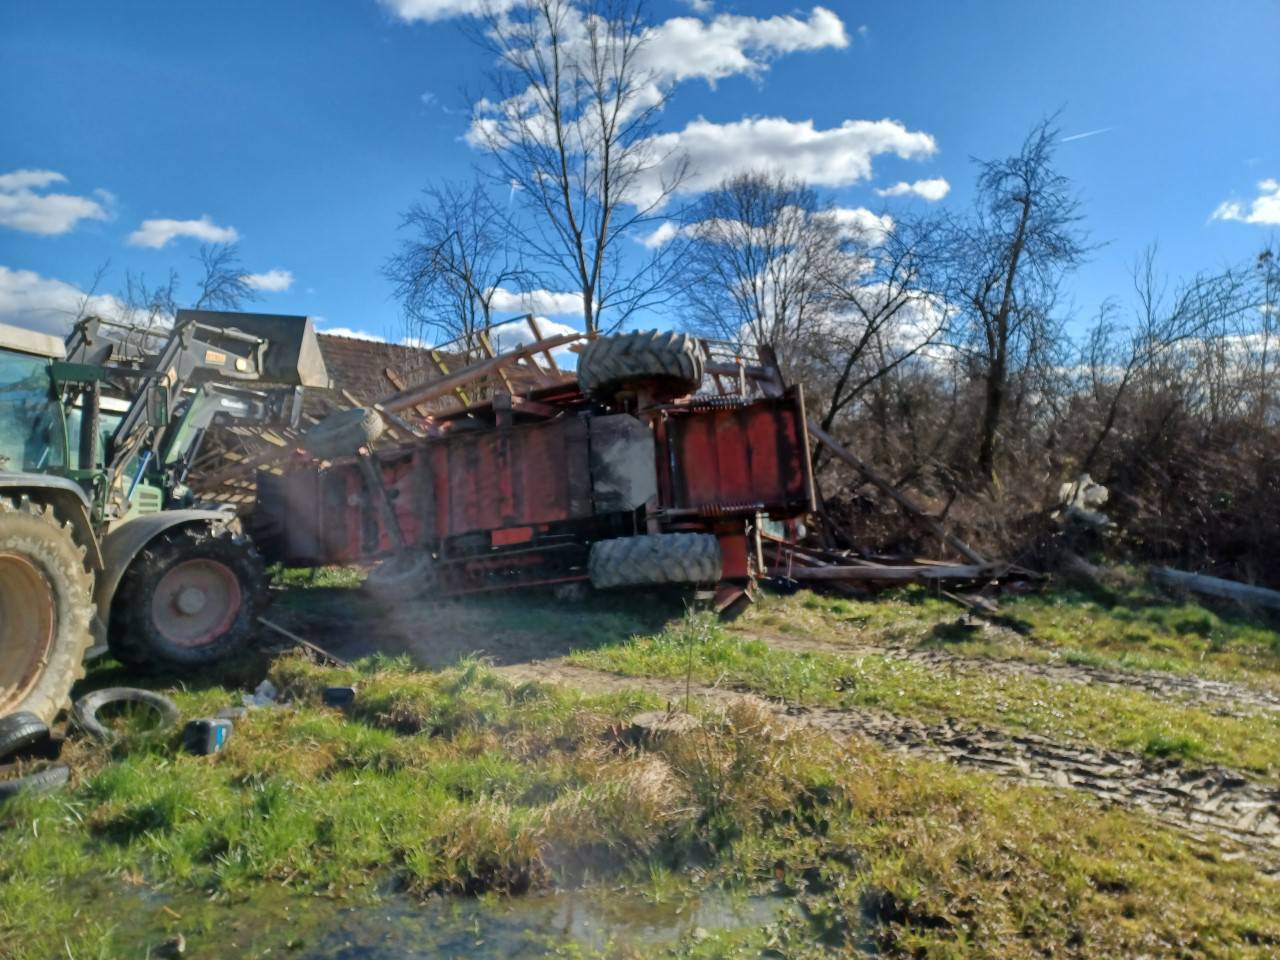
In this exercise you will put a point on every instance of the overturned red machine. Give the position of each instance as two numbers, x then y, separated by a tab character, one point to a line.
666	460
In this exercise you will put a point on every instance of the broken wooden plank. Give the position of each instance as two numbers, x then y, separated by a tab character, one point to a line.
900	498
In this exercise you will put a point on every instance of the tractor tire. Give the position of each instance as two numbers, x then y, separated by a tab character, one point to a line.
659	558
190	598
666	363
19	731
342	434
405	576
46	608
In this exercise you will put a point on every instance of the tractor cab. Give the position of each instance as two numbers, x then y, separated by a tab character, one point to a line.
33	433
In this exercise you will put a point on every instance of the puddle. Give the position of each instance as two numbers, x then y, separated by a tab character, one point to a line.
589	922
593	922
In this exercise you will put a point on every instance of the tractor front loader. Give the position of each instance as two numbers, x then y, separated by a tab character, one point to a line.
100	538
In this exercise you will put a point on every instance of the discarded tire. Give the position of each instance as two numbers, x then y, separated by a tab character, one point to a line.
85	711
45	609
402	577
19	731
667	363
190	598
46	779
660	558
342	434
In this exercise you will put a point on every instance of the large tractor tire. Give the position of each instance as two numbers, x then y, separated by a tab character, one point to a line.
191	597
46	606
662	362
656	558
342	434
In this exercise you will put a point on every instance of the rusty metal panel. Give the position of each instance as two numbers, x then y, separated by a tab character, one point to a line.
624	473
748	455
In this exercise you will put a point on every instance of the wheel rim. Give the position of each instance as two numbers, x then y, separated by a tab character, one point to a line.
196	602
28	624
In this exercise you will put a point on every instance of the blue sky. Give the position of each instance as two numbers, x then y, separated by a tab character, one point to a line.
306	127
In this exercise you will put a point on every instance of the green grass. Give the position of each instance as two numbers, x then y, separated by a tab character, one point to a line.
1124	630
460	782
1107	716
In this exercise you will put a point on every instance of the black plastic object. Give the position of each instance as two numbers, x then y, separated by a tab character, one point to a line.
21	730
85	712
338	696
206	735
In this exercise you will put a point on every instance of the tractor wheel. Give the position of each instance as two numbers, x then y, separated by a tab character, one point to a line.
665	363
657	558
190	598
342	434
46	606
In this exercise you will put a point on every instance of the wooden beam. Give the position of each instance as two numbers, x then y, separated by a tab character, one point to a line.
900	498
1216	587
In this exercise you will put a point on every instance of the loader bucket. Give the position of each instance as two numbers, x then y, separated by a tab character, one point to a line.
292	357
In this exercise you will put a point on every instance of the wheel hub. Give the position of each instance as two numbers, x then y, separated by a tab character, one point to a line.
28	624
196	602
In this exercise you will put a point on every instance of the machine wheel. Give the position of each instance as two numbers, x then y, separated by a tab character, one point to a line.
342	434
666	363
45	609
404	576
656	558
190	598
47	778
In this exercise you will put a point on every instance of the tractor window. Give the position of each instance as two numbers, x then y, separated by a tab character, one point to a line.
31	432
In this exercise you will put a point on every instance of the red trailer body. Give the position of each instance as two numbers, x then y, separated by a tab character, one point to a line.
517	494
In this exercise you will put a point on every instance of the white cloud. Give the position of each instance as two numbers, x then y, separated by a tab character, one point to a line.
431	10
157	233
699	6
930	190
537	301
860	224
835	157
273	280
664	234
42	303
353	334
685	48
48	214
511	335
1264	209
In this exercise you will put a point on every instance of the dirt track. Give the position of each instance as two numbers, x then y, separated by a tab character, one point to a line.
1217	696
1202	801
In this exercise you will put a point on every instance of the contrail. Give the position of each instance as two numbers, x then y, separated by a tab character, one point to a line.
1081	136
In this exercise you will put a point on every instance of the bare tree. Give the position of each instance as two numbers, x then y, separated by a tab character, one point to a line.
1008	261
881	311
222	284
448	271
759	255
570	129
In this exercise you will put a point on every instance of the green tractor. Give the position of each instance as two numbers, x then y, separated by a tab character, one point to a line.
100	538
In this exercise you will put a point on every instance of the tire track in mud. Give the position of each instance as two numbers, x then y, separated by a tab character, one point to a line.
1202	801
1217	696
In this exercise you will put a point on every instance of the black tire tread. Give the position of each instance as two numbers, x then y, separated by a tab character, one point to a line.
21	730
30	526
666	357
133	639
655	559
45	780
